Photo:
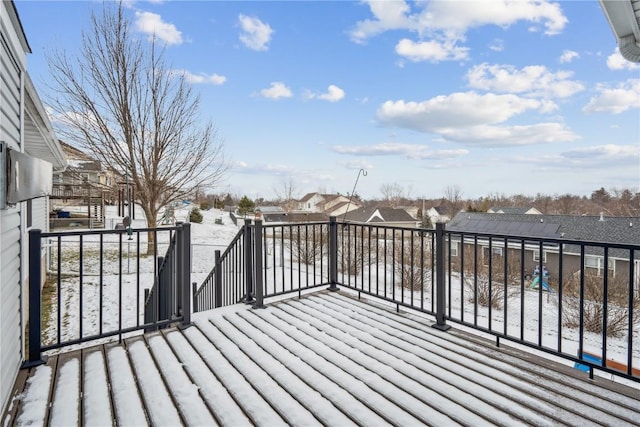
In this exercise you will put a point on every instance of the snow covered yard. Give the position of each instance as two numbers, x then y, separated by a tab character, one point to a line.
327	358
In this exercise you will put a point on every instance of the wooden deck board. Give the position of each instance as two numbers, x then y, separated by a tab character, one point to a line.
324	359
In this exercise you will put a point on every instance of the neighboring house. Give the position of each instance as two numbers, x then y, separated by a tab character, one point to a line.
329	204
620	230
82	170
27	133
512	210
286	217
414	211
394	217
439	214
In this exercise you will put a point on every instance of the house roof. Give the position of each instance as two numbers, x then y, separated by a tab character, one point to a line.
295	216
625	230
327	358
379	214
624	19
441	210
513	210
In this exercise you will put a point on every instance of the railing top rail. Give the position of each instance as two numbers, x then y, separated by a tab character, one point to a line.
96	232
537	239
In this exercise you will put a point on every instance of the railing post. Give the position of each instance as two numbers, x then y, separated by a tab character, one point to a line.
248	261
333	254
440	286
176	278
258	273
186	274
217	285
35	280
194	298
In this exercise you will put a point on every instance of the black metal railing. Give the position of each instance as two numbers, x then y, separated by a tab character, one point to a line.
226	282
574	299
88	285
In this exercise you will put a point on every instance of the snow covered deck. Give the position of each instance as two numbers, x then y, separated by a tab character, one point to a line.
324	359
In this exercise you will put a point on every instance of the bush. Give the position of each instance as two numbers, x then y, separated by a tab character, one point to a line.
195	216
593	304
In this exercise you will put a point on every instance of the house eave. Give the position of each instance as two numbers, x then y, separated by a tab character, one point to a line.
39	138
624	19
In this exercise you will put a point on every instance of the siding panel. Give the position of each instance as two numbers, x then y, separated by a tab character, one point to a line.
10	292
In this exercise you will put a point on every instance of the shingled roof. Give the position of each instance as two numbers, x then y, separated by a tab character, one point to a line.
379	214
624	230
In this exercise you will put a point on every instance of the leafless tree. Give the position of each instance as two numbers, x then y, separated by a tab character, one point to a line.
453	197
118	99
392	194
286	194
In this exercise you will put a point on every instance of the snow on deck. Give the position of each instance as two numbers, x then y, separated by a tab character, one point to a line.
324	359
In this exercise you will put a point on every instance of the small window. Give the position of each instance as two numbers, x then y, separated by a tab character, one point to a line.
454	248
536	255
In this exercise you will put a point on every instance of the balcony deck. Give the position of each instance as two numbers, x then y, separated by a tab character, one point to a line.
324	359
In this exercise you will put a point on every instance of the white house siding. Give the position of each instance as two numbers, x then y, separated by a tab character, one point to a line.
12	64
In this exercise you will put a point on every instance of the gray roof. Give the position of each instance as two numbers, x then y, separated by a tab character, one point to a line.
625	230
511	210
388	215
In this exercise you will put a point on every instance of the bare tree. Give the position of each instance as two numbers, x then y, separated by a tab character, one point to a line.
286	194
392	194
119	99
453	197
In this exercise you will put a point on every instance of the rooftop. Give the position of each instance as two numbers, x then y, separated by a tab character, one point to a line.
326	358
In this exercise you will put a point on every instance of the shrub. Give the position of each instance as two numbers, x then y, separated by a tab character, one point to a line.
413	262
617	299
195	216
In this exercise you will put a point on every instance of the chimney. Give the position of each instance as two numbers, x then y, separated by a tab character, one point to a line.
601	216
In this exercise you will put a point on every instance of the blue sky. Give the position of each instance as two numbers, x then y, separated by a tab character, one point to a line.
490	96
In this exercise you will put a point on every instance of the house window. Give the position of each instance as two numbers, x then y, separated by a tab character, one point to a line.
453	251
597	263
496	251
536	255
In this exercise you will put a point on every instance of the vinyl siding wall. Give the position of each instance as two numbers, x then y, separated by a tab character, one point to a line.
12	64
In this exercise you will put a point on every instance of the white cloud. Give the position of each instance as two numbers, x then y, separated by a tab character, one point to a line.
358	164
454	19
276	90
410	151
615	100
497	45
502	136
153	25
255	34
532	80
471	118
616	61
333	94
607	156
462	109
432	50
568	56
201	78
